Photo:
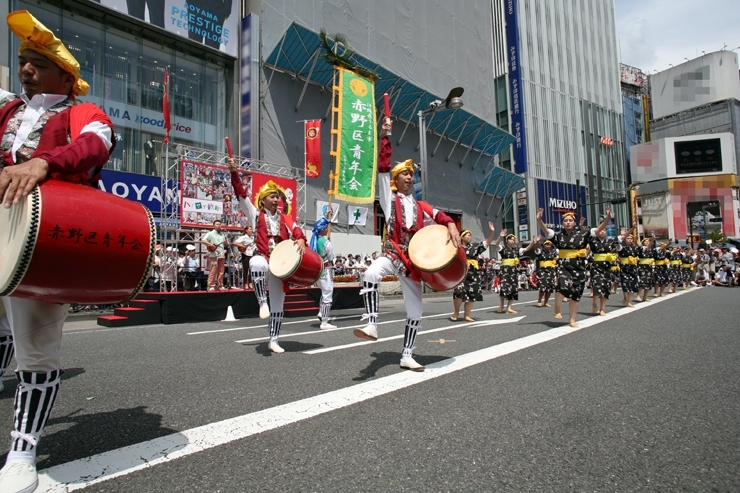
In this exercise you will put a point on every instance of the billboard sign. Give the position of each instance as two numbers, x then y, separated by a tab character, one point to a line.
556	199
515	87
704	217
144	189
213	23
698	156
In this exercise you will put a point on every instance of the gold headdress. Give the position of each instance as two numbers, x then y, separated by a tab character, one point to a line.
37	37
399	168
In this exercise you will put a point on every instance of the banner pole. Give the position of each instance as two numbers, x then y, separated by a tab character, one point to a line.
333	151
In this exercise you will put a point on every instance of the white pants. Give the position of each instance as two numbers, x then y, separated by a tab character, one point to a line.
326	283
36	327
410	289
274	283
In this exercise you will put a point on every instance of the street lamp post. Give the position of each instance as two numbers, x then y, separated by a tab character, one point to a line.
453	102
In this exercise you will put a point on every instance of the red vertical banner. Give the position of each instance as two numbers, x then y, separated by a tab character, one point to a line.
166	107
313	148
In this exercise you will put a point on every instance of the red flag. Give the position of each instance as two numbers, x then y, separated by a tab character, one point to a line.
166	107
313	148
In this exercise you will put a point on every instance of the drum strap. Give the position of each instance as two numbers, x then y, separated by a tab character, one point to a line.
405	260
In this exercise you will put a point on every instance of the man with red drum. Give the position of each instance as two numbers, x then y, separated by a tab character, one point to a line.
272	228
45	135
405	217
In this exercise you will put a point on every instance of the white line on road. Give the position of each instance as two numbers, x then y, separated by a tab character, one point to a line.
483	323
115	463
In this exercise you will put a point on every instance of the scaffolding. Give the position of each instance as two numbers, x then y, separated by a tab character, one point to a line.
169	231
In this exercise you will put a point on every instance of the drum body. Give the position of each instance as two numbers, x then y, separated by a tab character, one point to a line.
287	264
69	243
440	264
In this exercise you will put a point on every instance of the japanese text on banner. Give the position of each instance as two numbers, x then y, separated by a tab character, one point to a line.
356	142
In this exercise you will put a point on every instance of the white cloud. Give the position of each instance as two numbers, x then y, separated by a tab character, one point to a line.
656	33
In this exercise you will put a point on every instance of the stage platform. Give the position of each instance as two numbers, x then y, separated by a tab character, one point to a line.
203	306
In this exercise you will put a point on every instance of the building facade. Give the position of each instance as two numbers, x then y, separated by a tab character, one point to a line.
559	59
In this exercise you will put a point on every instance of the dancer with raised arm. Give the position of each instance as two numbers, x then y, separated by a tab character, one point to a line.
571	243
405	216
272	228
468	291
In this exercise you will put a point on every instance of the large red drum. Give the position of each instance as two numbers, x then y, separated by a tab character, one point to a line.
69	243
440	264
292	267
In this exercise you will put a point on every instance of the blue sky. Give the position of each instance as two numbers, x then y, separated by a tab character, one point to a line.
655	33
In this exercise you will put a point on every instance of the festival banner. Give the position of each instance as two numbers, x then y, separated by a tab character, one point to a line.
207	195
356	216
354	138
313	148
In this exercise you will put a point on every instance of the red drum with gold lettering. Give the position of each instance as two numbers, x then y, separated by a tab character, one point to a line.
287	264
440	264
69	243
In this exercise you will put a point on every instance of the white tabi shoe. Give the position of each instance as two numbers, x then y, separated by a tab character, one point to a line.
410	364
275	347
327	326
370	332
19	476
264	311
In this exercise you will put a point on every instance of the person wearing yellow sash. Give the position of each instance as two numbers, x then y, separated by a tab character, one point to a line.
661	269
603	249
509	253
571	242
628	252
547	266
687	269
645	268
468	291
674	269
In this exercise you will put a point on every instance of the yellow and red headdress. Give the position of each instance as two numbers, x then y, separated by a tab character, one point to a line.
399	168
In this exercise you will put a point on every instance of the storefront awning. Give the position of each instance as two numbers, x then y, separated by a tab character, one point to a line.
500	182
299	53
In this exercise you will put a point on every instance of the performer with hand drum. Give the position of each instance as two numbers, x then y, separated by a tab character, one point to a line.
405	216
273	227
70	142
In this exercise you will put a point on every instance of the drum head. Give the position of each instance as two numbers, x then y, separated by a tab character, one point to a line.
18	232
284	259
429	249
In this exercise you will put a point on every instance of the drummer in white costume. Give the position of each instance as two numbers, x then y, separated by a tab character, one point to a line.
50	77
322	245
272	227
405	216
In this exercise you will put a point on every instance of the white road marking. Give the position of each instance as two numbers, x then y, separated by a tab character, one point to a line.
120	462
262	326
483	323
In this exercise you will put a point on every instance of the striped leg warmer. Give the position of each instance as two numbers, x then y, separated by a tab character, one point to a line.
34	400
409	336
276	321
325	309
370	296
259	282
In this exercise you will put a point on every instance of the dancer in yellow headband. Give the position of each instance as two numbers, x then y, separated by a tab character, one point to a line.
468	291
50	78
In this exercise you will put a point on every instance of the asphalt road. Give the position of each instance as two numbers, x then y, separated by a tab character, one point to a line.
645	399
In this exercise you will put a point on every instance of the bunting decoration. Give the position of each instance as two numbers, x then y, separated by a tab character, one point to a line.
354	139
312	148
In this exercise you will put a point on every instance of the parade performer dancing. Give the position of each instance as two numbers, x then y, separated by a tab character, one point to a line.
661	269
46	135
603	249
547	265
645	267
628	253
405	216
674	269
322	245
571	243
509	289
687	268
272	227
468	291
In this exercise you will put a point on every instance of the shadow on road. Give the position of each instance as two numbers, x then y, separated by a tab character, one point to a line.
388	358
